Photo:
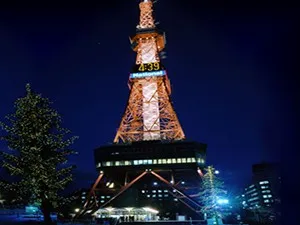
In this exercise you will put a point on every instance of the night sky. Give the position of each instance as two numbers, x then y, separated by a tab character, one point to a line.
224	62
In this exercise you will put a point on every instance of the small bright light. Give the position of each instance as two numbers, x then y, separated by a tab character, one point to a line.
182	182
148	209
172	182
77	210
128	209
109	209
223	201
155	183
217	172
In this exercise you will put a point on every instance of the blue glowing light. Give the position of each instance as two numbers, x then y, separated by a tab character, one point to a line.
148	74
223	201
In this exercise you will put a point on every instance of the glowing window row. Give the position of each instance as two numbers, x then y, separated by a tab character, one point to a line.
151	161
159	196
267	196
264	187
264	182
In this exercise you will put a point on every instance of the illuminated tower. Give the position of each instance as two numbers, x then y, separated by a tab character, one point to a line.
149	114
150	150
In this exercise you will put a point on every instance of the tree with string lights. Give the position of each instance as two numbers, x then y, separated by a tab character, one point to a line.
211	193
40	148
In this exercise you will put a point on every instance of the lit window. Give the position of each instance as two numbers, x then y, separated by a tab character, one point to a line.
265	196
117	163
149	161
140	162
267	200
135	162
165	190
178	160
183	160
159	161
175	199
263	187
173	160
193	160
159	196
264	182
102	201
189	160
154	161
127	163
107	196
169	161
198	160
270	196
166	195
143	191
164	161
153	196
148	196
153	191
154	183
145	161
159	191
99	165
108	163
83	197
202	160
102	197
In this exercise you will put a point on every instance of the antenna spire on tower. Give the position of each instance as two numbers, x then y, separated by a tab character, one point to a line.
146	16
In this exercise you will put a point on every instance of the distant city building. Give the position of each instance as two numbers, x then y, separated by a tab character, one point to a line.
263	195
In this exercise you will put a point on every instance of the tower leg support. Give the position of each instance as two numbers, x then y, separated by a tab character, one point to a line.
124	188
183	201
174	187
92	191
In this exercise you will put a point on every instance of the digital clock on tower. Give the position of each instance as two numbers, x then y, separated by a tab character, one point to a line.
145	67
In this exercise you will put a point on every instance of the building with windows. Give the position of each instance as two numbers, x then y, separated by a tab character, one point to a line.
263	195
178	166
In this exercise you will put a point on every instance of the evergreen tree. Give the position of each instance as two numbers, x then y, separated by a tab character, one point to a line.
39	152
211	191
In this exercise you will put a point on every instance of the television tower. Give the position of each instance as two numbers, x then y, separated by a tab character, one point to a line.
150	143
149	114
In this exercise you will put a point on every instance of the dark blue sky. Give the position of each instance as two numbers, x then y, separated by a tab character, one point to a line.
224	62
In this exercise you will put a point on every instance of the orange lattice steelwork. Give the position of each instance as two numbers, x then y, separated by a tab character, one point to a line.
149	114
